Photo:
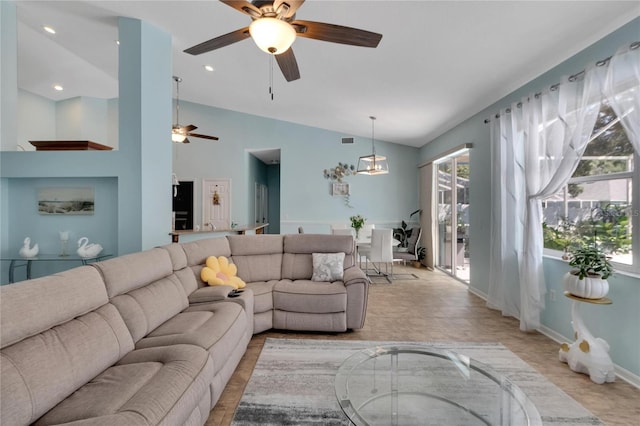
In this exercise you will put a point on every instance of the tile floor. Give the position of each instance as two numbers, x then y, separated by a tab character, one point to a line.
443	310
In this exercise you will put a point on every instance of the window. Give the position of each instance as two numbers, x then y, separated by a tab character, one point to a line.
597	206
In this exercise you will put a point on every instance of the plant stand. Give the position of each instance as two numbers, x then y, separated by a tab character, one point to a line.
588	354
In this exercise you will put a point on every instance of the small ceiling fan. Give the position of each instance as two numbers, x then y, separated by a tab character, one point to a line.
179	133
274	29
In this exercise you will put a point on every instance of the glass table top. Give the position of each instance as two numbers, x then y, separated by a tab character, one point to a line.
419	385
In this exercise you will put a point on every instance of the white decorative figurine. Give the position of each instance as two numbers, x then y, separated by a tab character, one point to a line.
27	251
86	250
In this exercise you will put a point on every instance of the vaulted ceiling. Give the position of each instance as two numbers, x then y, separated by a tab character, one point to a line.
438	63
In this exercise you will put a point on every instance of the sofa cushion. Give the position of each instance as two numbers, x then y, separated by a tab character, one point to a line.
146	308
310	297
258	257
297	261
177	255
217	327
327	266
129	272
31	307
262	295
147	387
40	371
198	251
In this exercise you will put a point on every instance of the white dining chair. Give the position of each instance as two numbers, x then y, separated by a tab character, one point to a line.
381	252
345	231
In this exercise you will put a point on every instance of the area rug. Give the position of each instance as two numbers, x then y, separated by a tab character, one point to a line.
293	383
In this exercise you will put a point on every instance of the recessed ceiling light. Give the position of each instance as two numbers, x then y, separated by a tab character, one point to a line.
209	68
49	29
58	87
118	42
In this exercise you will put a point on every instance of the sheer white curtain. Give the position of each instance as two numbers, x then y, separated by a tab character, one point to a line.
622	89
507	212
536	148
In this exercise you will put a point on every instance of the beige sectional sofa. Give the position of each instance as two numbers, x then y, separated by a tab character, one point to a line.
141	340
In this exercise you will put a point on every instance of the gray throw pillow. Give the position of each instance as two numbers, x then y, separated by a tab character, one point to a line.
328	267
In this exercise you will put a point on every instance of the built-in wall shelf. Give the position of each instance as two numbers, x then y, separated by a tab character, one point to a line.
69	146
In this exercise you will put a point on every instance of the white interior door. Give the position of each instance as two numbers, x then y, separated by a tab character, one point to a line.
216	203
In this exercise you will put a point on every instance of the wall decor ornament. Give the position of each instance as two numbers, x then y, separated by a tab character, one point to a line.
28	252
86	250
335	175
64	243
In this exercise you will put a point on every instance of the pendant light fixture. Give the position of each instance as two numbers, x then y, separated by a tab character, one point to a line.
373	164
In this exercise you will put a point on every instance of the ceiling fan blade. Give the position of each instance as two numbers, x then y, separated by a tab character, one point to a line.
288	65
186	140
195	135
218	42
292	6
189	128
244	7
336	33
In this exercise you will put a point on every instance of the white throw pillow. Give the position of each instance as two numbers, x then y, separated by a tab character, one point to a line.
327	266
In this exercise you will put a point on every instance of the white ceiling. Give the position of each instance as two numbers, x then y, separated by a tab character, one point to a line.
438	63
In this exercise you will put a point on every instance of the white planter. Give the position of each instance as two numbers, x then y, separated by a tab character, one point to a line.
592	287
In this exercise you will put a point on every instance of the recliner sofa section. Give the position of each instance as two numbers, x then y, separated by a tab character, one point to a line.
140	340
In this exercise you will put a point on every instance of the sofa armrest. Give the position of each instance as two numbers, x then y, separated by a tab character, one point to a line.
354	275
207	294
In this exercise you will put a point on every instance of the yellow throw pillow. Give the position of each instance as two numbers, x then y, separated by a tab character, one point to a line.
220	272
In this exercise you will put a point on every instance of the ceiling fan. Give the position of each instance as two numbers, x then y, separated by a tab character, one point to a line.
179	133
274	29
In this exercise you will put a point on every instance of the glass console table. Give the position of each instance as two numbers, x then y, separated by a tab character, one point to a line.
19	261
421	385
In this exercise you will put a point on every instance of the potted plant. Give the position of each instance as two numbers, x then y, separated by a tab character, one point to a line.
402	234
422	253
357	222
588	278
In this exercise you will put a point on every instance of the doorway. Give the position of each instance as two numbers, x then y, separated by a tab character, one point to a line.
452	177
183	205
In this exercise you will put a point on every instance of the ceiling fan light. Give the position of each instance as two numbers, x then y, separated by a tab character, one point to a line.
177	137
272	35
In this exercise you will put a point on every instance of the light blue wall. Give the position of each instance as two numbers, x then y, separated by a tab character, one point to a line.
614	324
43	229
305	197
141	169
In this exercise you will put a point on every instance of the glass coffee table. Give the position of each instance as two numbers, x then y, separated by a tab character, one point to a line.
420	385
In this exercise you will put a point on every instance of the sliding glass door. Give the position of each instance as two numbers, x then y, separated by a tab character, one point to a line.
452	180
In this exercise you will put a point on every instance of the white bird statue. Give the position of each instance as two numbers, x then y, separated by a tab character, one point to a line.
86	250
27	251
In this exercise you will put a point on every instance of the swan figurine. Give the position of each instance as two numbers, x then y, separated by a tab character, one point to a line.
86	250
27	251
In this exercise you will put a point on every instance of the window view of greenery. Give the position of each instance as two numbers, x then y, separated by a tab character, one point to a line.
595	207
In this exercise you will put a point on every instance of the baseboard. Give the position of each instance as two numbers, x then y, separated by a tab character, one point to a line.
621	373
478	293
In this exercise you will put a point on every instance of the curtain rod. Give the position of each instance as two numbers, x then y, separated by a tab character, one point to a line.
572	78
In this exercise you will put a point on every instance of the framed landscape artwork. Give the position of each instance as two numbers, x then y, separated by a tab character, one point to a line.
66	201
339	188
